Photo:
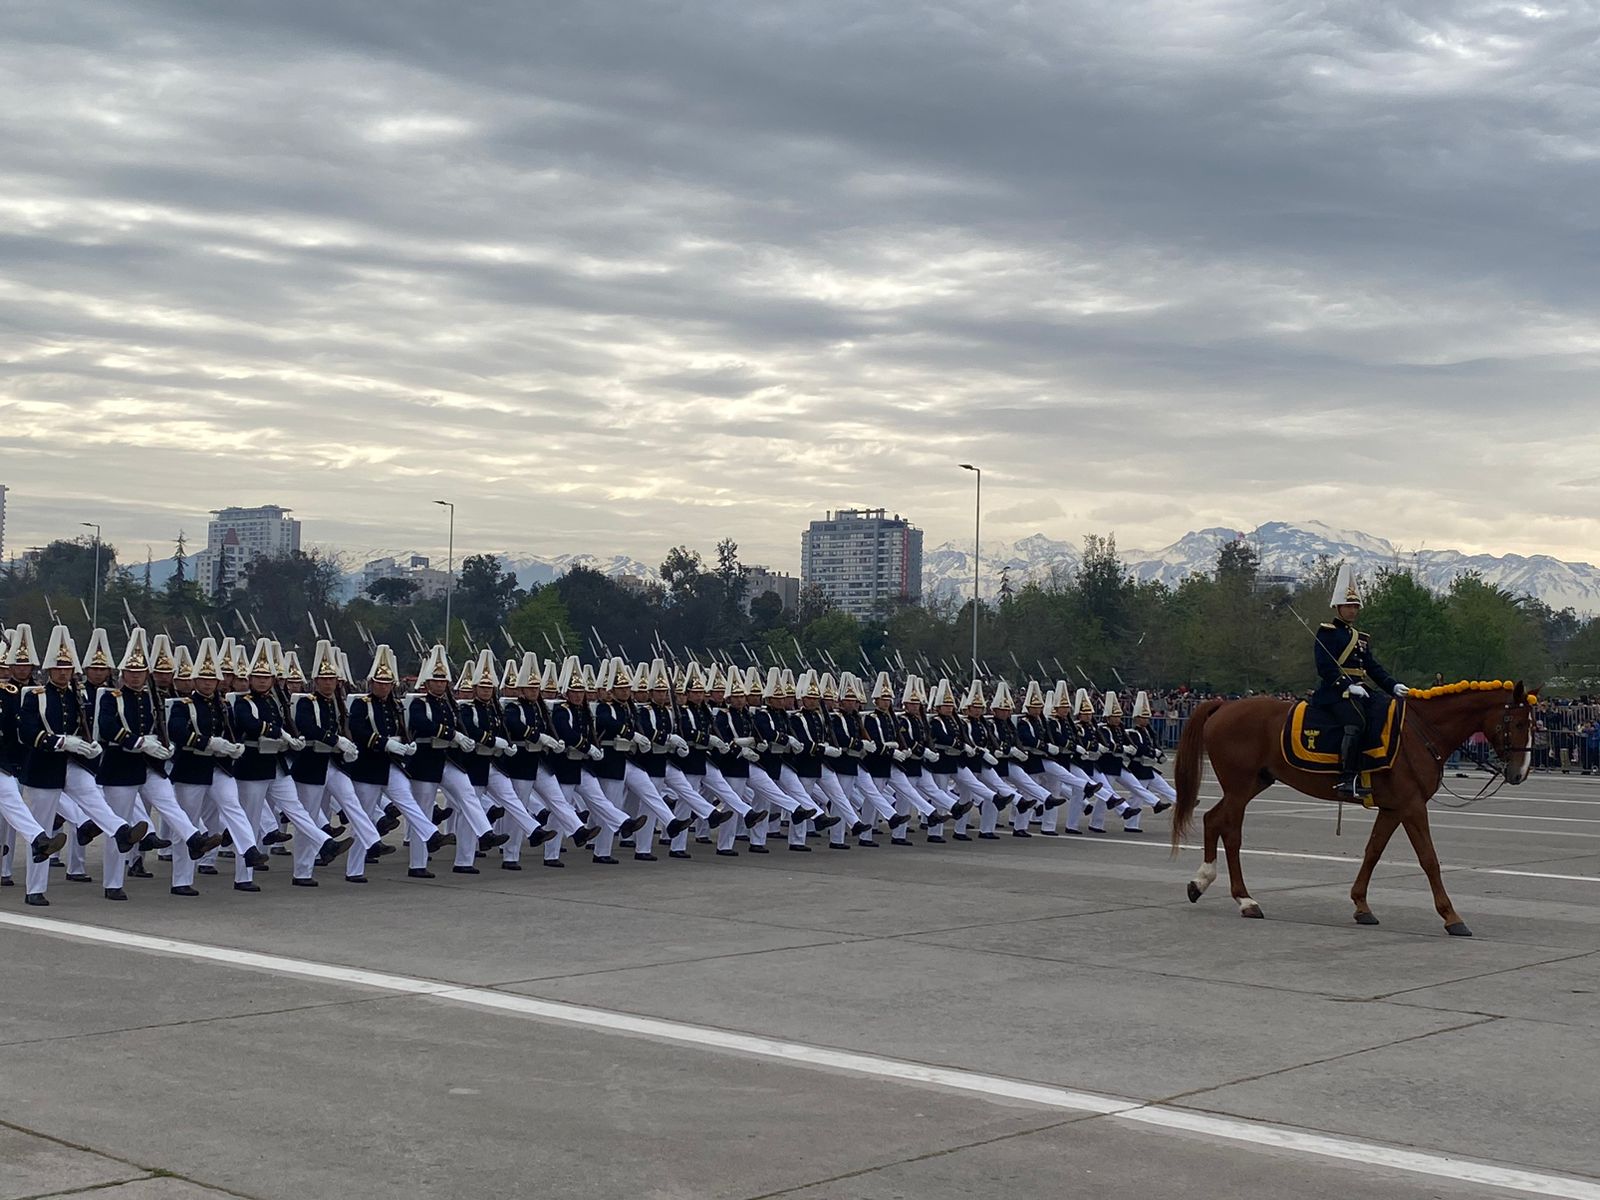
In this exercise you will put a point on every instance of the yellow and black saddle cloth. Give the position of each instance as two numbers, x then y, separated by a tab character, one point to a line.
1311	738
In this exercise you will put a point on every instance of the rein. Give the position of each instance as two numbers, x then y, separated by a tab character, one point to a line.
1491	786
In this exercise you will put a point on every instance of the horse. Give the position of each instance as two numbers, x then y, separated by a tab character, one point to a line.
1244	741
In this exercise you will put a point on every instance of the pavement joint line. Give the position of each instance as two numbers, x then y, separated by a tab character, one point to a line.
1544	962
92	1187
1445	810
218	1017
1000	1088
149	1172
678	962
1559	833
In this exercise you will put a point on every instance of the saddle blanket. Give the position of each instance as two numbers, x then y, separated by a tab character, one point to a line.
1311	738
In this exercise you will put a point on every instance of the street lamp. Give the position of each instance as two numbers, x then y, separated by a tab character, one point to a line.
94	619
977	547
450	574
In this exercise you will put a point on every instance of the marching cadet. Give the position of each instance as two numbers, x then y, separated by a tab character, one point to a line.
1033	738
841	768
808	725
383	748
20	659
732	739
431	728
934	776
1014	761
707	700
83	803
132	730
51	726
1125	745
980	735
1060	764
480	738
1146	754
645	772
674	727
572	723
773	779
319	722
258	720
880	744
340	785
948	738
522	716
1102	758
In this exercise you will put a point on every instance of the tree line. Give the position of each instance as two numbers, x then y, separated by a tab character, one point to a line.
1227	630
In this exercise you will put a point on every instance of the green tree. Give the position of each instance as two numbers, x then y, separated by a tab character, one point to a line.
542	615
835	633
484	594
1410	626
393	591
280	589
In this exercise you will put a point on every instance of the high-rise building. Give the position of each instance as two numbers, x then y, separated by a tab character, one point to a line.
236	537
862	558
3	490
430	580
758	581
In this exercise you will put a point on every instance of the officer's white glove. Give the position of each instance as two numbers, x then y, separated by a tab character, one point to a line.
294	742
1130	749
596	753
347	748
641	742
1052	748
504	747
397	747
463	742
1357	692
717	744
678	745
749	755
901	755
73	744
235	750
990	759
550	743
154	749
1401	691
868	746
744	741
1019	754
930	756
969	750
796	745
831	752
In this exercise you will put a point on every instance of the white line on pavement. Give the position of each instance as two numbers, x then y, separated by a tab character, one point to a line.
1277	1137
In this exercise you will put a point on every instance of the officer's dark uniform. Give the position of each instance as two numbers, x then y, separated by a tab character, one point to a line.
1343	657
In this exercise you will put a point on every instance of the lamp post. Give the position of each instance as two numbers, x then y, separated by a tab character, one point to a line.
977	548
94	619
450	574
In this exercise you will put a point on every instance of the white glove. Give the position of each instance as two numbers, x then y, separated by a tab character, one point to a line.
235	750
1357	692
1052	748
868	746
505	747
990	759
596	753
796	745
641	742
831	751
464	743
969	749
745	741
1401	691
720	746
294	743
891	745
1019	754
402	749
550	743
930	756
154	749
347	748
1130	749
73	744
901	755
677	744
749	755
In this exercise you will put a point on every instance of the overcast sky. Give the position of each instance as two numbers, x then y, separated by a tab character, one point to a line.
617	274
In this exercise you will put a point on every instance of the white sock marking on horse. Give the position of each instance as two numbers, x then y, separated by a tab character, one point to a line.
1205	876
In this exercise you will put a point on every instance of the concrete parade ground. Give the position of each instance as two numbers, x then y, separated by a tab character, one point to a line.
1021	1019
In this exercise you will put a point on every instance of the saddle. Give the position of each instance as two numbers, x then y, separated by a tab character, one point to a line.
1311	738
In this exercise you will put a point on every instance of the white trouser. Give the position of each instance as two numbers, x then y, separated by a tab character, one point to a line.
586	796
114	863
1029	788
192	796
685	792
934	791
252	800
364	834
616	793
16	813
739	785
1159	786
714	784
875	806
1069	781
284	799
519	822
976	793
83	789
643	789
908	792
156	794
415	799
839	799
1106	798
41	804
562	815
1140	797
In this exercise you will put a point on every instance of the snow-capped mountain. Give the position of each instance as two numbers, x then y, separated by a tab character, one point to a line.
1285	549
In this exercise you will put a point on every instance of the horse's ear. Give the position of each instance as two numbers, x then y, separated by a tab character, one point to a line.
1518	692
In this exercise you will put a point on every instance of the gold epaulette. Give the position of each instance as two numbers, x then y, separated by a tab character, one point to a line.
8	686
1327	625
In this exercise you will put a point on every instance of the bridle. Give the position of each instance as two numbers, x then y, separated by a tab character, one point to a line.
1500	743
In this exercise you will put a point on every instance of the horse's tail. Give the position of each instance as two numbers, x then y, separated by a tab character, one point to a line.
1190	747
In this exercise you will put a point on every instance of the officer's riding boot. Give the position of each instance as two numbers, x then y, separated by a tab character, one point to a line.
1350	765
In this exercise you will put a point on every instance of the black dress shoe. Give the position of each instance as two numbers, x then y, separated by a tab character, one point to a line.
440	839
838	845
200	843
631	826
116	894
281	852
419	873
960	810
935	840
381	850
646	857
184	890
355	878
585	835
36	900
702	841
1021	833
867	842
333	830
719	818
677	826
604	860
136	870
1087	808
247	887
303	882
71	878
1048	833
540	836
7	881
205	870
804	814
464	871
1025	806
276	837
1074	833
962	837
47	844
254	859
626	843
821	824
511	866
898	820
494	812
759	850
87	832
990	837
800	849
729	853
1161	806
679	854
387	825
554	862
440	812
153	841
492	841
900	842
859	828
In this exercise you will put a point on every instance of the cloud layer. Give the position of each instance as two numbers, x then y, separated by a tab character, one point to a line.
617	275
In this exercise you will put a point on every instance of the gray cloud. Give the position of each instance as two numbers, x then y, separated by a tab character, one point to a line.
623	275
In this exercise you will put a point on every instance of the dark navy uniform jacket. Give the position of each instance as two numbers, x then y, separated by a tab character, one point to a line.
613	723
844	731
946	736
256	715
1032	736
191	724
912	734
372	723
694	727
48	714
11	750
432	722
808	727
731	723
122	717
480	720
1142	765
522	729
317	720
1108	744
1343	656
574	725
879	727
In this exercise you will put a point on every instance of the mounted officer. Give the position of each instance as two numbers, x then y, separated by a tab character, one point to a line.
1353	685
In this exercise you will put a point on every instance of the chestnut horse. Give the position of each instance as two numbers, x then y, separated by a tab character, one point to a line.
1244	741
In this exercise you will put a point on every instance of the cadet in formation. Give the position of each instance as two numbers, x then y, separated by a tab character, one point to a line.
218	753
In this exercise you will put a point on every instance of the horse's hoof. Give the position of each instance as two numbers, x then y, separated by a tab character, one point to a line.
1366	919
1253	911
1194	892
1459	929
